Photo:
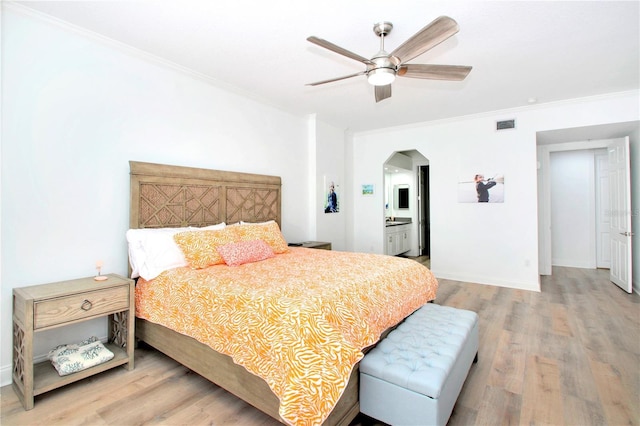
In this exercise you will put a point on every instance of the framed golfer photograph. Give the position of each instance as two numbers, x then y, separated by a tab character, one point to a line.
479	187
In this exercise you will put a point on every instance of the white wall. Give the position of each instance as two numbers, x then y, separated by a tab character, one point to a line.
330	166
76	109
573	208
494	243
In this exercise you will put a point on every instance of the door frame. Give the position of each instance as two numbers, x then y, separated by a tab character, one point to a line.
418	159
424	212
544	195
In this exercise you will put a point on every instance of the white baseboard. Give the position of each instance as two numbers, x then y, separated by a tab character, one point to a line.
573	263
487	280
6	371
5	375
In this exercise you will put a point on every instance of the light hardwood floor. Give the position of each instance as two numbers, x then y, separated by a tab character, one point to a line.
567	355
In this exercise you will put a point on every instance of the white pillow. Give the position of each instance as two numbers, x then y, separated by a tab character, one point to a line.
242	222
153	250
216	227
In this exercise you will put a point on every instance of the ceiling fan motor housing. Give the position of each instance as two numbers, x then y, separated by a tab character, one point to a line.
384	61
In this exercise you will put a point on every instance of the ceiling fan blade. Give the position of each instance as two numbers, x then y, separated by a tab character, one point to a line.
335	79
430	36
383	92
435	72
334	48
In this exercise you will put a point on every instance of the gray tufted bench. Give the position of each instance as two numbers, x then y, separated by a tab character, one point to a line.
415	374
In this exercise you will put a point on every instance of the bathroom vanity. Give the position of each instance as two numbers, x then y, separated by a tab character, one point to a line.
398	236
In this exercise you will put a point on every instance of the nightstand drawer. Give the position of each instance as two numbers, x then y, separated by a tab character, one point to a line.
47	313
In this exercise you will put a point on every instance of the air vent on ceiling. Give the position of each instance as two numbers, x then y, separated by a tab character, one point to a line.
506	124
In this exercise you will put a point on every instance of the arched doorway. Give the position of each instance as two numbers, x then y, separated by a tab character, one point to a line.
406	174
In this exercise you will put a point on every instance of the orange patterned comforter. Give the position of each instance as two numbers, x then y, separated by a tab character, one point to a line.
299	320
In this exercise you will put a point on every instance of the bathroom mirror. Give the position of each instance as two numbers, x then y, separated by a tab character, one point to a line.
401	196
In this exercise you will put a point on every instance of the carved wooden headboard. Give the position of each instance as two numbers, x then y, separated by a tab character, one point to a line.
175	196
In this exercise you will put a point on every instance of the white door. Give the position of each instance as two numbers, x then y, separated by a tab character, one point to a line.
620	202
603	218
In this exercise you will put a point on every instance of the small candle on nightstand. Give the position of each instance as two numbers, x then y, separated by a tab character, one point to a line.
99	268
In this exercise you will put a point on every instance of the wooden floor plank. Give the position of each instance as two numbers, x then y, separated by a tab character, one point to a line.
620	407
542	399
507	369
499	407
581	412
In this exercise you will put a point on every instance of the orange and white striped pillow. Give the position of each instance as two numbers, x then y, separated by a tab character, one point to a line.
268	232
200	248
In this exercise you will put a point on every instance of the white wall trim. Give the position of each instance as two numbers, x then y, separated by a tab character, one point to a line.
591	212
484	280
507	111
572	263
5	375
312	160
5	371
544	211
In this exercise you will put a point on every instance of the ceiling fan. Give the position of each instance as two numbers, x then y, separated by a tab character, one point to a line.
383	67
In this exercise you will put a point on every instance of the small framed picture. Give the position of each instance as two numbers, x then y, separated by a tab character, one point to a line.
367	189
331	197
475	187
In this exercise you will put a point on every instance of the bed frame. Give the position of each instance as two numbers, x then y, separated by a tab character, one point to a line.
174	196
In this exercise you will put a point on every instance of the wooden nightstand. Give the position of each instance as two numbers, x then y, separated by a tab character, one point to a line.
316	245
46	306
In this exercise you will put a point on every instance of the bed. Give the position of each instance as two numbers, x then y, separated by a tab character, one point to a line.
164	196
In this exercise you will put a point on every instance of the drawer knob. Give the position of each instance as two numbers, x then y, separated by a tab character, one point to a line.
86	305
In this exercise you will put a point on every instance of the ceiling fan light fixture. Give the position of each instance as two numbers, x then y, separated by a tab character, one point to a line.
381	76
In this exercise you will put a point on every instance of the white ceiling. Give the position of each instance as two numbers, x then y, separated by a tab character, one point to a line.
547	50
